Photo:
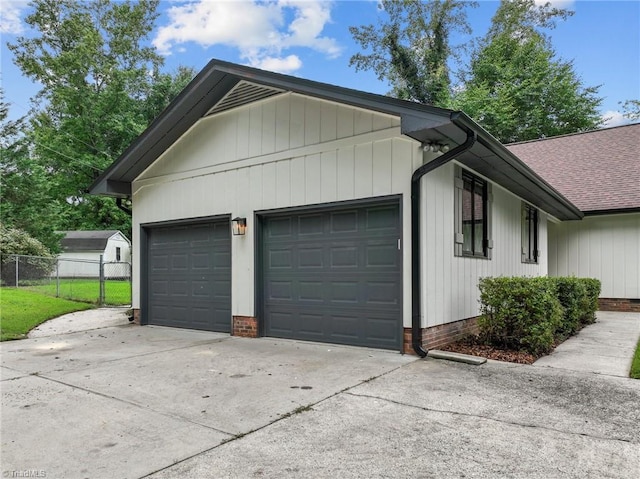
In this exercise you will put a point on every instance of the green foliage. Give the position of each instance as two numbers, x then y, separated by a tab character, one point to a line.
572	293
101	87
516	88
24	196
18	242
593	287
410	48
631	109
514	85
634	373
519	313
22	310
532	314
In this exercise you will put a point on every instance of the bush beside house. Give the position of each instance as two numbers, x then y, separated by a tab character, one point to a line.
17	242
533	314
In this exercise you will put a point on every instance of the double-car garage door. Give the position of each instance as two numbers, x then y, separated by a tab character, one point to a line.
328	275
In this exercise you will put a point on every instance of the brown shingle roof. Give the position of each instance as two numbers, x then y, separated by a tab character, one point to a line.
596	171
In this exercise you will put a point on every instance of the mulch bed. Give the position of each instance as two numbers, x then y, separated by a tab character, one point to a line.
470	346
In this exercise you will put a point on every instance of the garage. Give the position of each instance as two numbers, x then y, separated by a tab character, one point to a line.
334	275
189	276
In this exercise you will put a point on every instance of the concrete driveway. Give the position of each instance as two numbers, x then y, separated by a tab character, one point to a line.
131	402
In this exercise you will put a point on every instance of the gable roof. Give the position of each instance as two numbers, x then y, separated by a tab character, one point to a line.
88	240
222	85
598	171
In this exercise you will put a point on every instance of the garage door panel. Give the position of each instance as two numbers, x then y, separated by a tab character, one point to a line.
310	225
344	222
343	286
189	276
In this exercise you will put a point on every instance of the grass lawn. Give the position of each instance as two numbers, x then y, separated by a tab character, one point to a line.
635	364
88	290
21	311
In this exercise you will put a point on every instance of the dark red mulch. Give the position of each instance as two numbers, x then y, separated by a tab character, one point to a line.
470	346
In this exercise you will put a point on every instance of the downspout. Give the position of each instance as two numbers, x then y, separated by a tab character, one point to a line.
416	330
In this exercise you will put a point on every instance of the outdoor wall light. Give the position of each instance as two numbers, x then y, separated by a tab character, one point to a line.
435	147
239	227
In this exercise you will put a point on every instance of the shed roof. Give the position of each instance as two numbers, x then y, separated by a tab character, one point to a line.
598	171
222	85
87	240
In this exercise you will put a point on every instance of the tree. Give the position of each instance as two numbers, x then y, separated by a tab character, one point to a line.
517	88
412	49
17	242
101	86
24	196
631	109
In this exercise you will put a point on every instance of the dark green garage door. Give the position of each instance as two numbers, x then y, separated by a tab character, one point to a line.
189	276
334	276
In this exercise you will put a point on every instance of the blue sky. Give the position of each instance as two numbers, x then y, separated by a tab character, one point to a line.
311	39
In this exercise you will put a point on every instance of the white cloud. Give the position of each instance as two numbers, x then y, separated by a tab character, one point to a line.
10	12
614	118
556	3
288	64
261	31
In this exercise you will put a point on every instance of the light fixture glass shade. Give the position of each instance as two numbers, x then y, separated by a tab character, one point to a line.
239	226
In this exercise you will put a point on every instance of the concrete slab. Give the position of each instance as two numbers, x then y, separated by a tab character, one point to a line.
84	349
351	436
605	347
218	384
460	358
576	403
68	432
7	374
129	401
82	321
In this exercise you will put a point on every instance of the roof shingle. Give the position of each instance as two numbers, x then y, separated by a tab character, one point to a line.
597	171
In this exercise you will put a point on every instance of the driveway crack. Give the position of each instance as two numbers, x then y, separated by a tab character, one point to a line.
487	418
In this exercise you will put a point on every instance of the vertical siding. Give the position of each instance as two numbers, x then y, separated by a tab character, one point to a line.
182	184
234	164
451	283
603	247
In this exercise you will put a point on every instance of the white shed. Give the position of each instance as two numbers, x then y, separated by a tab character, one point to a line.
81	252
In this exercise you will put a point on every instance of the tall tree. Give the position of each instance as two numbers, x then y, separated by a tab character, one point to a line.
517	88
411	47
101	86
25	203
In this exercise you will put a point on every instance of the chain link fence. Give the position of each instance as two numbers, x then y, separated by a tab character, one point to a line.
92	281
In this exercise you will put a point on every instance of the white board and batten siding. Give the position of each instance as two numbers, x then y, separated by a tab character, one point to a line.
289	151
603	247
282	152
451	282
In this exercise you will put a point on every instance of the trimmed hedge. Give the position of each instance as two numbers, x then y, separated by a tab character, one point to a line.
532	314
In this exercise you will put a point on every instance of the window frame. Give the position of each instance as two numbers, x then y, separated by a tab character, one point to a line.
462	178
530	234
118	253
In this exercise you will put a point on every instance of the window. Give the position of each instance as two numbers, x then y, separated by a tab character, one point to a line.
473	215
117	254
529	234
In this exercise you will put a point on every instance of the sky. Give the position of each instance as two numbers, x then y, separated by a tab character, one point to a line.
311	39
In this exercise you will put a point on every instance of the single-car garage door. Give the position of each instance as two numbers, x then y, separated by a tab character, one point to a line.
189	276
334	276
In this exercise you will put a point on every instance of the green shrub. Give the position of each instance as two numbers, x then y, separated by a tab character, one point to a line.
572	293
593	287
519	313
17	242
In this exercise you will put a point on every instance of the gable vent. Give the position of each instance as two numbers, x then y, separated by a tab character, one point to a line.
242	94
